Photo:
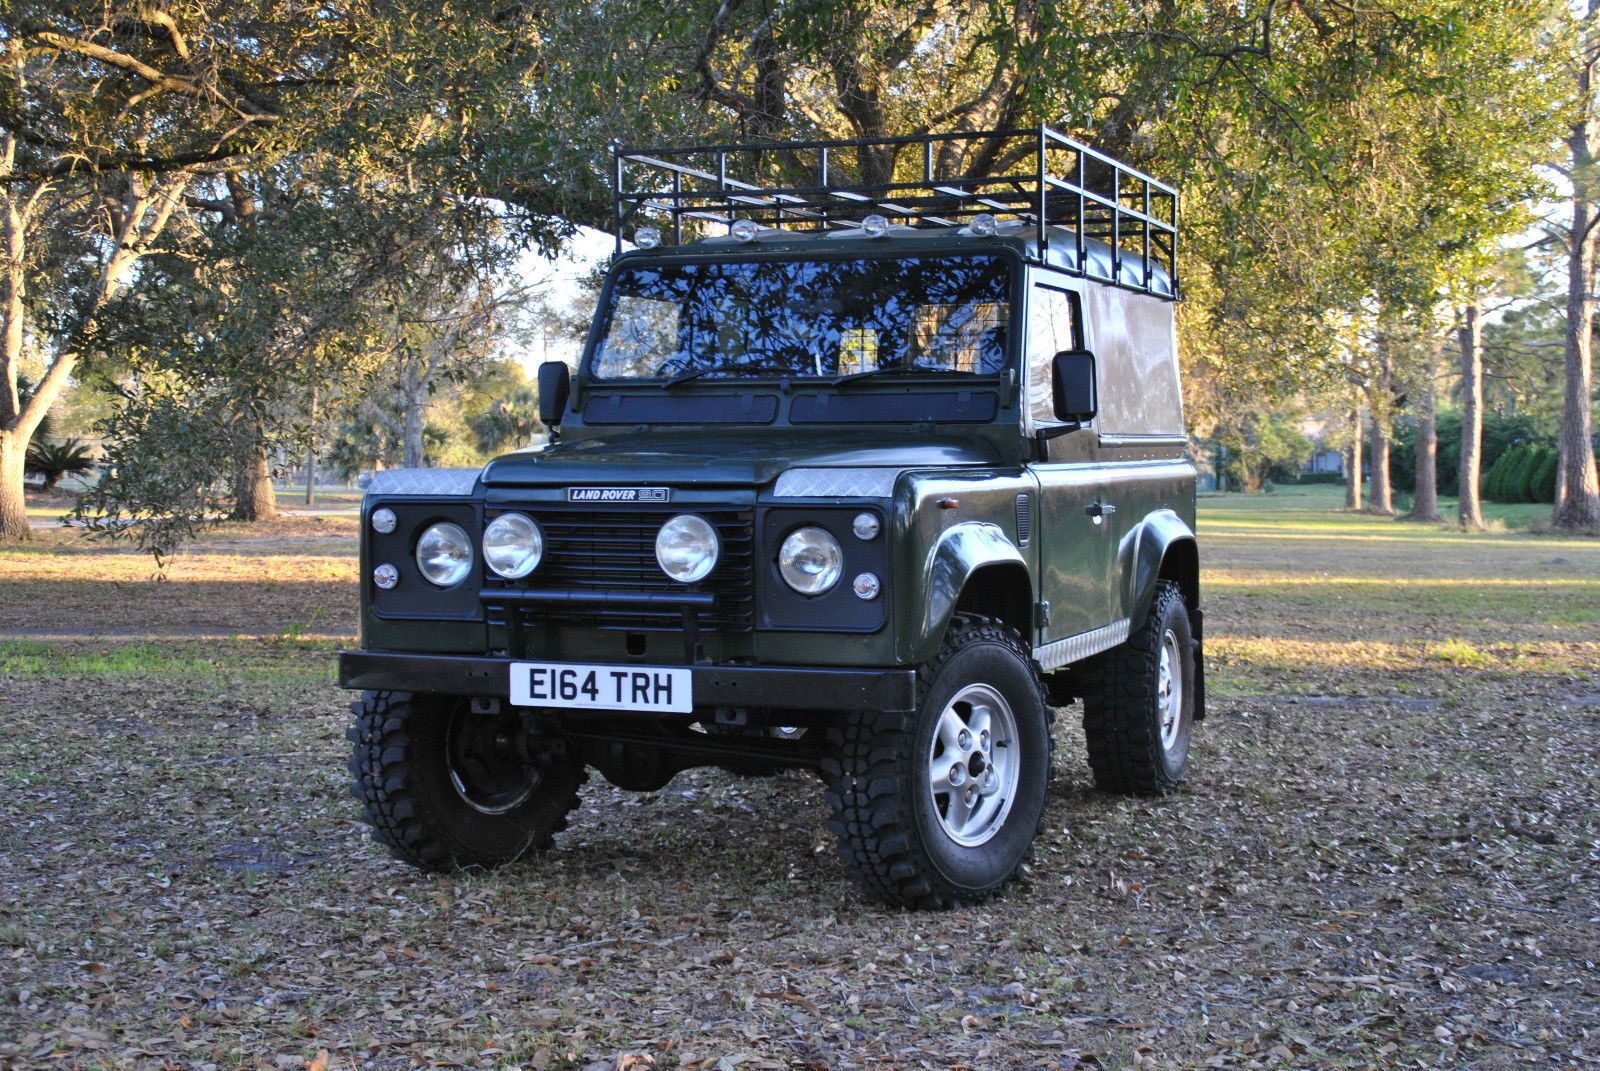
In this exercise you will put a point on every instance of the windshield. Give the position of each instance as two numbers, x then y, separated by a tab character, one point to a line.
806	318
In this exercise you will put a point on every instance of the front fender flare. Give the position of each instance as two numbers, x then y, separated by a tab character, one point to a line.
961	551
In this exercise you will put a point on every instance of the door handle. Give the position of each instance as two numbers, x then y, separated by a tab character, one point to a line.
1099	510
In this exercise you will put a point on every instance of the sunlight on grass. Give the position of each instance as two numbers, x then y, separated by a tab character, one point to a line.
235	659
1460	653
21	565
1423	656
1323	504
1222	579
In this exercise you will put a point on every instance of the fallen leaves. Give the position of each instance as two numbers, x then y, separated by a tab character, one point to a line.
1388	855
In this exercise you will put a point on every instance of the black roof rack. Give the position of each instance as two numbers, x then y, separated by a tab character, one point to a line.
1036	176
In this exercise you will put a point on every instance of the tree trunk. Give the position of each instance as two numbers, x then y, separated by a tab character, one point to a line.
141	217
253	496
13	499
1381	499
1426	505
1352	462
413	430
1578	498
1469	514
311	448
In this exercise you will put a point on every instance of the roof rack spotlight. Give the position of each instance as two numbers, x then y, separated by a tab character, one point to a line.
1064	204
983	225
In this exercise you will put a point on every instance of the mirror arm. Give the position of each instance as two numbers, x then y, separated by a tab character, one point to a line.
1042	436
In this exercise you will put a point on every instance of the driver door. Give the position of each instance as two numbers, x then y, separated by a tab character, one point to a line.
1075	551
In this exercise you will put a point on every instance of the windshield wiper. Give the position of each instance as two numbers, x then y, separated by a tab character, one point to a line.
736	369
893	370
693	373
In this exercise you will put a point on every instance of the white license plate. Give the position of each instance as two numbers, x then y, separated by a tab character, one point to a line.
663	689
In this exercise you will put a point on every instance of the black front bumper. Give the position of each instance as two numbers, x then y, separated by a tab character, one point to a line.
777	687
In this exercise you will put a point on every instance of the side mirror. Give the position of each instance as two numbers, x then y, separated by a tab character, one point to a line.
1072	386
555	387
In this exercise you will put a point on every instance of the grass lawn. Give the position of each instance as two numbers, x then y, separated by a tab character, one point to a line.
293	499
1386	855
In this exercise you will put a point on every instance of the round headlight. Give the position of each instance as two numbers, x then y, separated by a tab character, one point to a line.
686	548
444	554
383	520
512	545
810	560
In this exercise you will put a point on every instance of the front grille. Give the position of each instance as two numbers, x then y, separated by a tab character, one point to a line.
614	550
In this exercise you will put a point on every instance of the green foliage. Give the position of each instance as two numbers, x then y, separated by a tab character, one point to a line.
168	459
1543	485
344	172
1262	444
51	461
1500	434
1524	473
507	422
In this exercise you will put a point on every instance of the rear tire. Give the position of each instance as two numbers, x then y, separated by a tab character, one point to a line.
445	789
1138	702
941	807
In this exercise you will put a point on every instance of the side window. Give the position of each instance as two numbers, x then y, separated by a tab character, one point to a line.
1052	327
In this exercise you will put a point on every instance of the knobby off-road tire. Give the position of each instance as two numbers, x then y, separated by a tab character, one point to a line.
898	836
441	794
1138	702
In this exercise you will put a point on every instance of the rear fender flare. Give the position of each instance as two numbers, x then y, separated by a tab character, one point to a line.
1158	535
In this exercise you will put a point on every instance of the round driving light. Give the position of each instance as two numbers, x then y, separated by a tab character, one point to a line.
875	226
386	576
810	560
686	548
983	225
383	521
444	554
865	526
513	545
744	229
646	237
866	586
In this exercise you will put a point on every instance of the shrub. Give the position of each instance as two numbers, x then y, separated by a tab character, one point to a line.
1544	478
1519	481
51	461
1494	478
1500	433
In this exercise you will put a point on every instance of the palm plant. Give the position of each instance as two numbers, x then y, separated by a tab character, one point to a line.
51	461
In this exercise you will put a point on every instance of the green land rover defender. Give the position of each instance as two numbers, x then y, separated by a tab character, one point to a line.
863	471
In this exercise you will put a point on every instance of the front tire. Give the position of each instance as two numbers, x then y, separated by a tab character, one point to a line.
1138	702
445	789
941	807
